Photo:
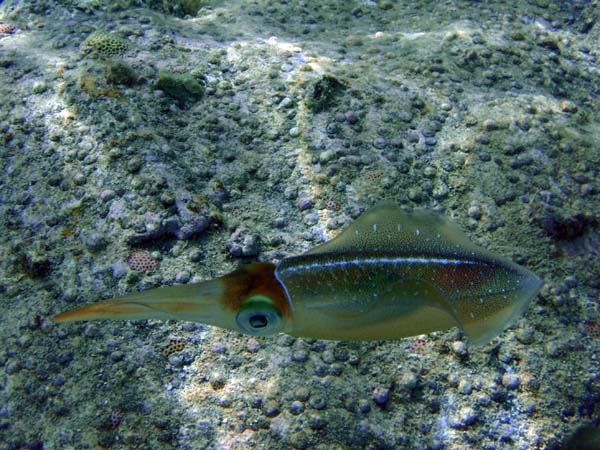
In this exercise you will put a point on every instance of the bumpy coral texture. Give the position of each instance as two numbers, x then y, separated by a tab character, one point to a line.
103	44
174	345
142	261
7	28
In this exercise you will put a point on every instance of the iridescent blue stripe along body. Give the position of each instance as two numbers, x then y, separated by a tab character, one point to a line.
394	273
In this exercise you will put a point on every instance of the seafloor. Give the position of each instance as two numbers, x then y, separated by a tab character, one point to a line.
145	143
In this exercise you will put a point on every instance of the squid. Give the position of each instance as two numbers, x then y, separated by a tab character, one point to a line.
390	274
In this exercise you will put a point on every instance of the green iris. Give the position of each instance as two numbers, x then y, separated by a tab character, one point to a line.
259	316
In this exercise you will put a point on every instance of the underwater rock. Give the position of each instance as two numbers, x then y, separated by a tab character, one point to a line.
242	243
193	217
33	264
118	72
566	228
323	93
179	87
180	228
95	242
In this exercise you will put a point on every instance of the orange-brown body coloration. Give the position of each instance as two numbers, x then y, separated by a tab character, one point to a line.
251	280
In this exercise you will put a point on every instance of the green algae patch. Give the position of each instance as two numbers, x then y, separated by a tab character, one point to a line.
179	87
120	73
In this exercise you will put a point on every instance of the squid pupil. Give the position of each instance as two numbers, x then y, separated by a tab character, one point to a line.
258	321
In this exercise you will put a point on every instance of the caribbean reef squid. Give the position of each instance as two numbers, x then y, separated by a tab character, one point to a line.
390	274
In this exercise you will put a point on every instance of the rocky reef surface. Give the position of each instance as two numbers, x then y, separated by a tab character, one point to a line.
145	143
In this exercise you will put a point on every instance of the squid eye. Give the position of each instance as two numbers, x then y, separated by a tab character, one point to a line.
259	316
